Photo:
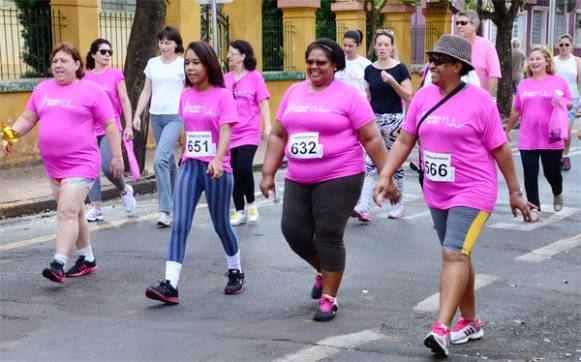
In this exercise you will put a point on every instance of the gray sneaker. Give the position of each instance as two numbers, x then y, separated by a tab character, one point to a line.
558	202
438	340
128	200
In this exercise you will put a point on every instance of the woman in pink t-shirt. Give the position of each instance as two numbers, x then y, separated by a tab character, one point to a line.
251	96
68	109
112	81
533	104
321	124
461	147
208	110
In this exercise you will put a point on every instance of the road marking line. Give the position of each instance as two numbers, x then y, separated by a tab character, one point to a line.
332	345
546	252
116	224
411	217
544	221
432	303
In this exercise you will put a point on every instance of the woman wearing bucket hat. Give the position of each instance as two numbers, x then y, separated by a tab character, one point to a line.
460	146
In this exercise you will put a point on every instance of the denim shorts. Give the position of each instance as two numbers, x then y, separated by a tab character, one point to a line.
459	227
57	183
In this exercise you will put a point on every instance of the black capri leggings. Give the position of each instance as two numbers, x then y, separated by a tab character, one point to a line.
551	160
314	217
241	161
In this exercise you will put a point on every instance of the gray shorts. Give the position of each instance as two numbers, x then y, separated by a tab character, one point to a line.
459	227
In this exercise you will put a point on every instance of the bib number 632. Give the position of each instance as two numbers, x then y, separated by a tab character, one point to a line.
438	167
305	145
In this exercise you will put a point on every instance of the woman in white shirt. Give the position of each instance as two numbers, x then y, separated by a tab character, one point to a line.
354	71
164	82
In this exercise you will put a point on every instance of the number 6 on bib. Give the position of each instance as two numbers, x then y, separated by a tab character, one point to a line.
305	145
438	167
200	144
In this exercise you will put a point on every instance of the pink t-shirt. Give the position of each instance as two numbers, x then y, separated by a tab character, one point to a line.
485	61
248	92
108	81
457	141
66	135
322	140
533	101
203	114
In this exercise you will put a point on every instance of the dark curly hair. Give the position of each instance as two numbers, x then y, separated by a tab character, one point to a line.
245	48
74	53
333	51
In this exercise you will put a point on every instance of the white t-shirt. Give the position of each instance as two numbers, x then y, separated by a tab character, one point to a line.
470	78
167	83
354	73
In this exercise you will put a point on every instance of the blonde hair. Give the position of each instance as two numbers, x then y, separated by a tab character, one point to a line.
551	66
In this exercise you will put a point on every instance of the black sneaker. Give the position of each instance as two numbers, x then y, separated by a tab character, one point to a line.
54	272
164	292
317	290
235	283
81	268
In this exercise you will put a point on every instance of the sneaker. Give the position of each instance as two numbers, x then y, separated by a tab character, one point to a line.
94	214
128	199
362	216
396	212
318	287
535	215
566	164
465	330
236	281
164	292
54	272
438	340
164	220
327	308
237	218
81	268
252	213
558	201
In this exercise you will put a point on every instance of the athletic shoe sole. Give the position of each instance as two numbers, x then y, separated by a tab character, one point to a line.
435	346
473	336
153	294
52	276
239	291
97	219
326	317
83	272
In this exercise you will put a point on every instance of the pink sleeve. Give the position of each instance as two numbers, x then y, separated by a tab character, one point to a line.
261	89
228	112
409	124
517	103
180	108
493	135
31	105
283	103
360	111
102	107
492	62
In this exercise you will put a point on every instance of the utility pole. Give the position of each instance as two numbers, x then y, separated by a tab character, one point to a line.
552	14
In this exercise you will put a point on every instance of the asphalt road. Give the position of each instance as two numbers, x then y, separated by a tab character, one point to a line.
528	278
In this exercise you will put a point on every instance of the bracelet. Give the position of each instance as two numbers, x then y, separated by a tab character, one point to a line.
516	193
9	134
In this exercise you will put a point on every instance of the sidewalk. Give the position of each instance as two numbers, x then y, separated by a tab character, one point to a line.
26	190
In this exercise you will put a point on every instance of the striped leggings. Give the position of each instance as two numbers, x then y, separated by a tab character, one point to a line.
192	180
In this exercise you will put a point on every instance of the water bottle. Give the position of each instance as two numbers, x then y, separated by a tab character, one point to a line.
555	124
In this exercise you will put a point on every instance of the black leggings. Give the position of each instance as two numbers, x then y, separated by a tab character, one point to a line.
314	217
241	161
551	160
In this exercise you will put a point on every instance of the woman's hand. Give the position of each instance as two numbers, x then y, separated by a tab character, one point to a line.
519	203
267	185
128	133
117	167
386	188
136	123
387	78
215	169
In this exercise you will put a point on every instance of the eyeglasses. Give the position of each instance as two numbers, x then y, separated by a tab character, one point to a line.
105	51
233	53
319	63
438	59
462	22
566	45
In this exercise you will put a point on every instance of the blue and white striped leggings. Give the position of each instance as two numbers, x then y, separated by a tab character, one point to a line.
192	180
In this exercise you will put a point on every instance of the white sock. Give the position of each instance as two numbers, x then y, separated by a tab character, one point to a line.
365	199
172	272
234	261
87	253
63	259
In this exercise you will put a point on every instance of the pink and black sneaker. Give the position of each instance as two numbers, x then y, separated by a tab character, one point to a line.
465	330
81	267
54	272
164	292
317	287
327	308
362	216
236	281
438	340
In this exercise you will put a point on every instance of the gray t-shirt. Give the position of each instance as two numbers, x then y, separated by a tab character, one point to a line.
518	59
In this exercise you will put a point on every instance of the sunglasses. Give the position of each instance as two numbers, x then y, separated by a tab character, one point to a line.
564	45
462	22
384	31
319	63
438	59
105	51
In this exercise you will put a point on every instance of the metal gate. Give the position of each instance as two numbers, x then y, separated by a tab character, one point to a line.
223	33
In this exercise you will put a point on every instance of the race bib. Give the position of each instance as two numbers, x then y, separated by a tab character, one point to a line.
438	167
305	145
200	144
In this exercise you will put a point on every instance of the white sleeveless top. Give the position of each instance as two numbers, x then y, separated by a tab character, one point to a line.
567	69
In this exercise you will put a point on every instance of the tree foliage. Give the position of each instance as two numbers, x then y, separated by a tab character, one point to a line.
35	18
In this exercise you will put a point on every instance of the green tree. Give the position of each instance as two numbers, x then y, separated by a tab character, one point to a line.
35	18
326	26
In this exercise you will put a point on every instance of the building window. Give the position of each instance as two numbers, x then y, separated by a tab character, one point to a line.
118	5
539	27
561	24
577	34
9	4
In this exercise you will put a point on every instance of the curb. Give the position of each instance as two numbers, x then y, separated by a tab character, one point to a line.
145	185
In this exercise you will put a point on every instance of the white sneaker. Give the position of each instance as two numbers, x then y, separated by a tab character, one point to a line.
535	215
558	202
94	214
252	212
128	199
396	212
237	218
164	220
